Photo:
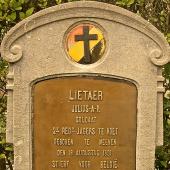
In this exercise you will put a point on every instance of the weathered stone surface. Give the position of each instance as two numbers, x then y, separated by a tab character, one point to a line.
135	51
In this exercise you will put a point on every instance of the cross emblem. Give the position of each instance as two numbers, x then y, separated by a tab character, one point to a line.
86	38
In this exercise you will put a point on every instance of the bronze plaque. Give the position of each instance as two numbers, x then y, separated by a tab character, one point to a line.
84	123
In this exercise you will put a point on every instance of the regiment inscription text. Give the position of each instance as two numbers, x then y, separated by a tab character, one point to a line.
81	123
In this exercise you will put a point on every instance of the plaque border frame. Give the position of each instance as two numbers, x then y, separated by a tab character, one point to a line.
104	77
87	75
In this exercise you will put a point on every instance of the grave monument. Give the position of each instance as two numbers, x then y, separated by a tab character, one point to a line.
85	89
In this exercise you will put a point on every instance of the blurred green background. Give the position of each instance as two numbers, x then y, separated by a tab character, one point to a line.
156	12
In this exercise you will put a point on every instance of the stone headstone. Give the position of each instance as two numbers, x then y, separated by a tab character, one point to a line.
85	89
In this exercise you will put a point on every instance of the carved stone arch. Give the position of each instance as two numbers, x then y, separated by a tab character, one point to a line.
12	52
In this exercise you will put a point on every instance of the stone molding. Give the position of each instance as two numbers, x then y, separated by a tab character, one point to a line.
13	53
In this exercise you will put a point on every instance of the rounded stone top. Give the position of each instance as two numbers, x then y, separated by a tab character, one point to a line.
84	9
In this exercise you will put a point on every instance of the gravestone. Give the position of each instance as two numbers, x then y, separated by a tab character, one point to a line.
85	89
